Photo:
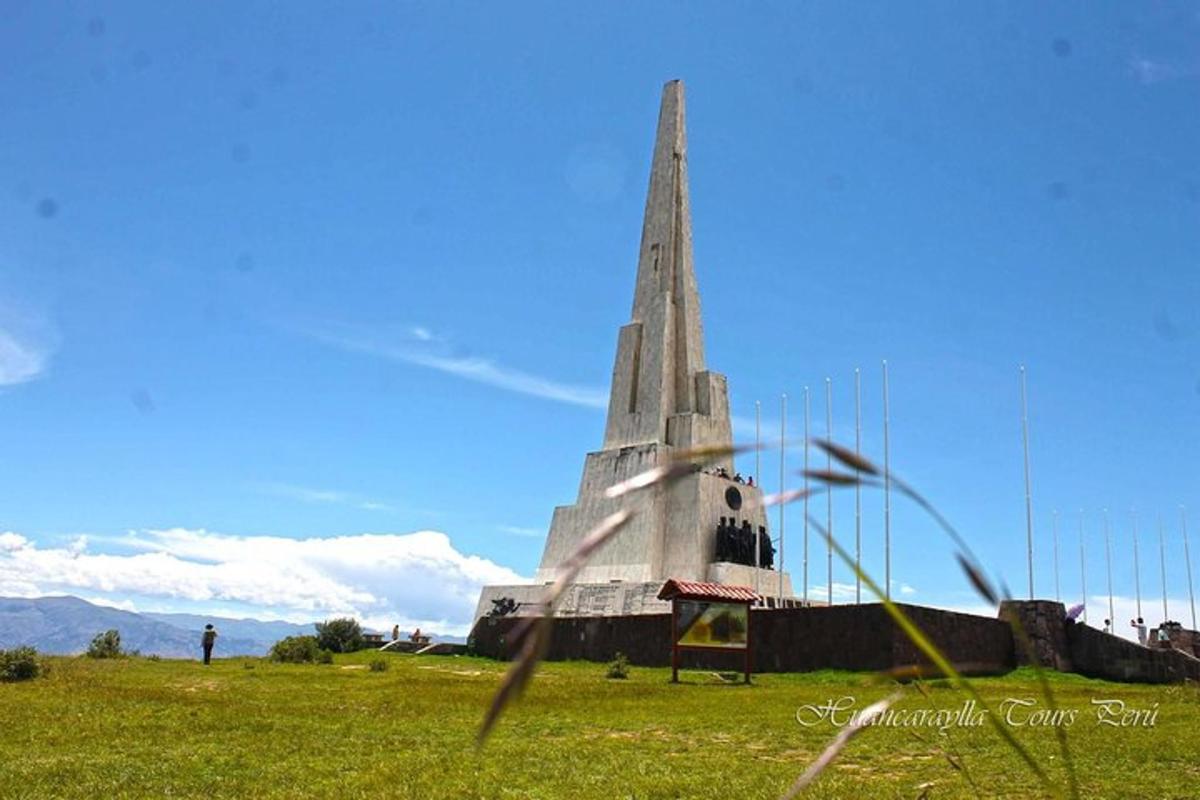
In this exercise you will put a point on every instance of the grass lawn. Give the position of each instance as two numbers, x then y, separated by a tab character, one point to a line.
249	728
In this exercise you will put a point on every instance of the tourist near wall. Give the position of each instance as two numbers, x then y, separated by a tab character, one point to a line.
861	637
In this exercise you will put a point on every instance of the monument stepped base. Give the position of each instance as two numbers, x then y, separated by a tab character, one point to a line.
624	598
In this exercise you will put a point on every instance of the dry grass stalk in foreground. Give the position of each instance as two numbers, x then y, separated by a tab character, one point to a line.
975	574
534	633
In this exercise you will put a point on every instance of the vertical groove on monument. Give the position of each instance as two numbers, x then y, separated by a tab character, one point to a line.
662	398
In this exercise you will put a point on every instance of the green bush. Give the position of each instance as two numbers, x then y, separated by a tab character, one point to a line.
20	664
379	665
342	635
296	650
106	645
324	657
619	667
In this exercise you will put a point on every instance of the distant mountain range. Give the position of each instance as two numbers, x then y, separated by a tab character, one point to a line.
67	625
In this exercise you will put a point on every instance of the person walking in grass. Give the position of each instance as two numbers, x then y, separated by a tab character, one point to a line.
207	641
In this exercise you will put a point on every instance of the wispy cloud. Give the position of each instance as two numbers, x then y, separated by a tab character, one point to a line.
309	495
1150	71
517	530
26	345
422	348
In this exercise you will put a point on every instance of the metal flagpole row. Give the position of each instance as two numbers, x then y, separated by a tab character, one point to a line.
1187	557
1137	570
1082	567
1028	494
1108	564
887	495
829	495
1162	567
806	434
857	487
1057	595
758	477
782	472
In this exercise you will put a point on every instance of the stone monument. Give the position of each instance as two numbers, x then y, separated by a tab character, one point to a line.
662	399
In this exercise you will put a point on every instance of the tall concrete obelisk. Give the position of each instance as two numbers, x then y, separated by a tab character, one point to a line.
662	399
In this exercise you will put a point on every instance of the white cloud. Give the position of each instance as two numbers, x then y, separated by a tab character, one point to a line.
21	358
10	542
479	370
842	593
382	579
421	334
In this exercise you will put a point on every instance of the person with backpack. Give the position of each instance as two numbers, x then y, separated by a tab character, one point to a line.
207	641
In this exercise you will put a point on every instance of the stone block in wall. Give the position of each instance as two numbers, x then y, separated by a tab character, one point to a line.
1045	624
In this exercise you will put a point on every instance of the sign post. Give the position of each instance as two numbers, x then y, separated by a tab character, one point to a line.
709	616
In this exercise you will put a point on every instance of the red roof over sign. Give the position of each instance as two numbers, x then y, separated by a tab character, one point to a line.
694	590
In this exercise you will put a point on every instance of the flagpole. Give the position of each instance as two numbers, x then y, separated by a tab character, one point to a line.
1137	571
1162	567
1108	564
757	477
857	488
887	495
1082	567
1187	557
1028	494
782	470
806	434
829	495
1057	595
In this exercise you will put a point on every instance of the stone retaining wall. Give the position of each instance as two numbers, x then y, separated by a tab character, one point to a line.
849	637
863	637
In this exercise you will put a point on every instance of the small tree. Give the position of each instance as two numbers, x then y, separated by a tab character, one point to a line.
619	667
20	664
342	635
106	645
296	650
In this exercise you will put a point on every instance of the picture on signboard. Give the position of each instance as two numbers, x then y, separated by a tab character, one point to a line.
703	624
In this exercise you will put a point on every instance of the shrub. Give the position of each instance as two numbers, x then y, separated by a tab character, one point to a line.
106	645
379	665
324	657
20	664
296	650
342	635
619	667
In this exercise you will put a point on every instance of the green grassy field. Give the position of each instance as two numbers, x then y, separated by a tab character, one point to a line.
249	728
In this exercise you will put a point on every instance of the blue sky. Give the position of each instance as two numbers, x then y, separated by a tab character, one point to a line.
329	273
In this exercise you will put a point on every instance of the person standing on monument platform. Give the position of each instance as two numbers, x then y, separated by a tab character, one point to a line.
1141	629
207	641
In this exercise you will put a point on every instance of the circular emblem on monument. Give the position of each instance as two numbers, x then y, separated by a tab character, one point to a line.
733	498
